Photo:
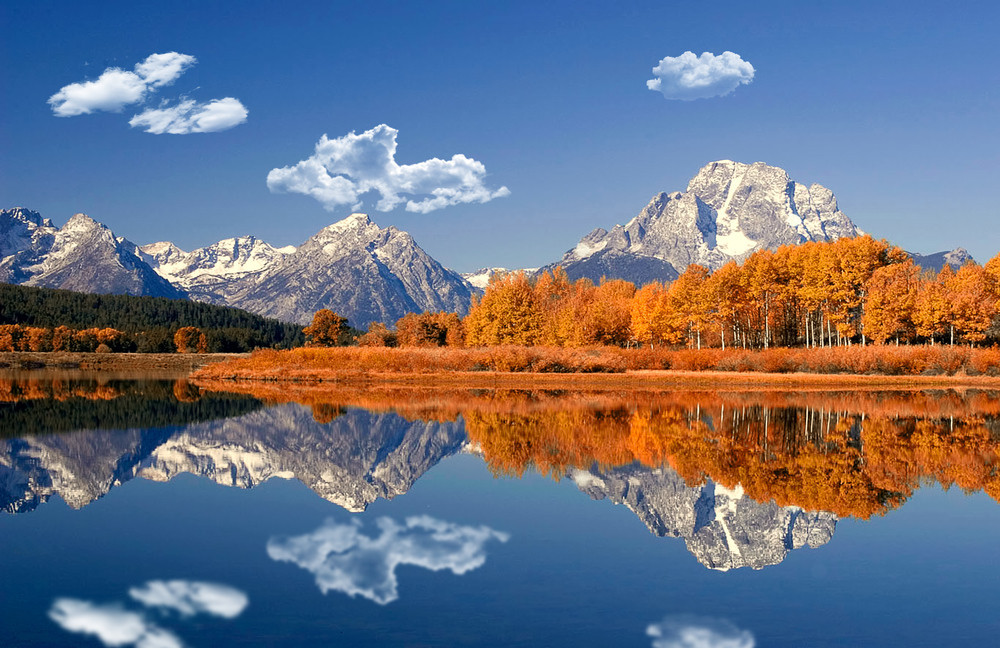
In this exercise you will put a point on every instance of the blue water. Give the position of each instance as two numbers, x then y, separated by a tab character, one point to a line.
557	569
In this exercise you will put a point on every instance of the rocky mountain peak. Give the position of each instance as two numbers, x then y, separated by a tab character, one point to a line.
24	216
20	228
728	211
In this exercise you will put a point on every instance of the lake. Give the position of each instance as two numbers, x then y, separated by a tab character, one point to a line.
154	513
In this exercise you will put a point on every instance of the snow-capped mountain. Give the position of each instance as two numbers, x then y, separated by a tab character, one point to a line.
480	278
728	211
722	528
82	255
212	273
354	267
362	271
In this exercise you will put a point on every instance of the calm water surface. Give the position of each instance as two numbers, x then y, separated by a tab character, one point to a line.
158	514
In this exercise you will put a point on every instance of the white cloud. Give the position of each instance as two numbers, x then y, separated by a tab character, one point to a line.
343	169
117	88
698	632
192	597
345	560
111	624
688	77
189	116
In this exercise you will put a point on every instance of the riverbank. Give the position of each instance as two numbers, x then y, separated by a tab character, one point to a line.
544	368
147	363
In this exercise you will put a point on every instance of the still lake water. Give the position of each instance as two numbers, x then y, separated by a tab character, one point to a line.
153	514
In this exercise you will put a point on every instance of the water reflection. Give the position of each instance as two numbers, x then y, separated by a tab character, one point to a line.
344	559
698	632
351	460
743	478
114	625
722	528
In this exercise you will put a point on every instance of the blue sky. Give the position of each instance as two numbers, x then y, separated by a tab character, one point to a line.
891	105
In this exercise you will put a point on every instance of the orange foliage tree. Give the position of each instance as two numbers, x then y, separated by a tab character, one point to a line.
327	329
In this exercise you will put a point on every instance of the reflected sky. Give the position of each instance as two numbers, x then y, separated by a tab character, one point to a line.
581	525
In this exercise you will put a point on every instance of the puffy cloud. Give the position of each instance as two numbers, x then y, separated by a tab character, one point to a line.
688	77
344	559
117	88
341	170
698	632
189	116
192	597
111	624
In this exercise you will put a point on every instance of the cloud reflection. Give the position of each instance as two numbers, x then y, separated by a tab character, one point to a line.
192	597
111	624
342	558
114	625
698	632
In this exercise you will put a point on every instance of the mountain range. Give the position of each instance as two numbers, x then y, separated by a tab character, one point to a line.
369	273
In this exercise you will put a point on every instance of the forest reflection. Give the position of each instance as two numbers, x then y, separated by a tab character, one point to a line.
851	453
55	402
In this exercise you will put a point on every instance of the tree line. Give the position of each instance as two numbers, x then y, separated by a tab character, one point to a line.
44	319
820	294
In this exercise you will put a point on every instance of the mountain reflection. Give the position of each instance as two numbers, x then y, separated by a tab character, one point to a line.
350	461
743	478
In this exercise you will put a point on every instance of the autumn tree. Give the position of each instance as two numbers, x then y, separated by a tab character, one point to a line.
61	338
648	315
973	304
890	306
186	339
429	330
327	329
688	305
378	335
933	310
507	313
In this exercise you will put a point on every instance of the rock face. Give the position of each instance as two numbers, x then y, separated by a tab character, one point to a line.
936	262
728	211
356	458
362	271
83	255
212	274
721	528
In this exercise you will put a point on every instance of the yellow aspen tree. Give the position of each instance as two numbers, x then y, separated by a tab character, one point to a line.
891	302
972	303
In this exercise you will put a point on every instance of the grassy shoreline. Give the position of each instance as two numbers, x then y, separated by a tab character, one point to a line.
607	368
626	380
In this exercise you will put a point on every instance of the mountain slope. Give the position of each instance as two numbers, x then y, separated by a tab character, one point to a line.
358	269
728	211
83	255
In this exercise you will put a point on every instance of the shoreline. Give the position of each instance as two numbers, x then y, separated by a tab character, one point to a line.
173	364
637	379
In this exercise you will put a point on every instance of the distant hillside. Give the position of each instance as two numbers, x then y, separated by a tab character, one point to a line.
227	329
